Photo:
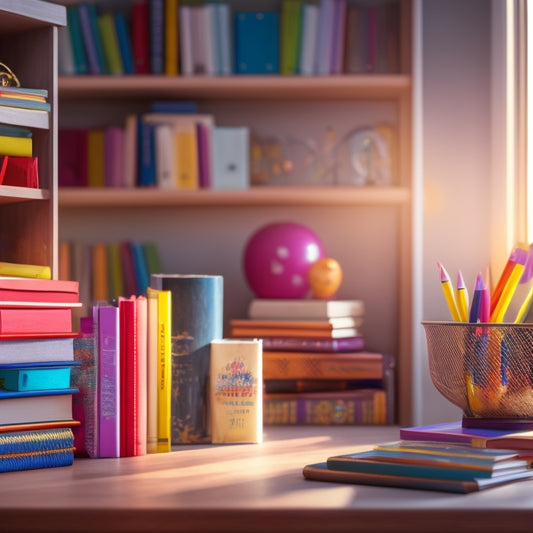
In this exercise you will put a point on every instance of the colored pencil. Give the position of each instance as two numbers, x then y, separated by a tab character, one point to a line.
447	290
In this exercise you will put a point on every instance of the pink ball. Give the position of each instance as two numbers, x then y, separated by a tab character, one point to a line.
277	259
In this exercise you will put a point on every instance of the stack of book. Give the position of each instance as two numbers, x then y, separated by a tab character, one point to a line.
36	363
450	457
315	368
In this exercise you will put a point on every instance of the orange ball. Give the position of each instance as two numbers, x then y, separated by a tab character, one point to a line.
325	277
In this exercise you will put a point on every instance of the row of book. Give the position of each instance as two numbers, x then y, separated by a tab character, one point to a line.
37	372
169	150
315	366
107	270
165	37
462	456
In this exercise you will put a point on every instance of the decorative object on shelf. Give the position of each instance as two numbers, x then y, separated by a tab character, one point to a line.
8	77
325	278
277	259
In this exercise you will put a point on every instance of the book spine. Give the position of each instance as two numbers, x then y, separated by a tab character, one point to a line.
141	384
16	146
171	40
76	38
41	440
109	382
89	39
50	459
164	376
140	36
124	43
157	36
361	407
110	45
196	321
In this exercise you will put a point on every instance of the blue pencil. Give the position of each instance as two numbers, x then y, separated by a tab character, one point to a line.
476	300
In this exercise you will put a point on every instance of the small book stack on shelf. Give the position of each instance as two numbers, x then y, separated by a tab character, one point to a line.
18	166
449	457
36	366
315	367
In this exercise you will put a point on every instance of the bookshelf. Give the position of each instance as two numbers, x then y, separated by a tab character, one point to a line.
28	218
367	229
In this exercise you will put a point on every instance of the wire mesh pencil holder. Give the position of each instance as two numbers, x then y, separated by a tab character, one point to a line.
484	369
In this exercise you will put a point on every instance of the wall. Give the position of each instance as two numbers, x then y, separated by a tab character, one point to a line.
456	164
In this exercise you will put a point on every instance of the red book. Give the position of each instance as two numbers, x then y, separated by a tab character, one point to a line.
140	37
126	258
19	171
72	158
128	375
38	290
35	320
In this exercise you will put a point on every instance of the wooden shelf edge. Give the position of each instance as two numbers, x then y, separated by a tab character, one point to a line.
255	196
10	195
235	87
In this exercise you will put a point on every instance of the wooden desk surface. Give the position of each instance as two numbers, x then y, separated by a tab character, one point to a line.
249	489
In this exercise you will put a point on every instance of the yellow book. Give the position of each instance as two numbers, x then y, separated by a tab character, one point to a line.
17	146
171	37
100	281
151	370
187	158
95	158
164	375
23	270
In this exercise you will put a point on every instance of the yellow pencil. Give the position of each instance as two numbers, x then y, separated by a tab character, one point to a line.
447	289
461	294
507	293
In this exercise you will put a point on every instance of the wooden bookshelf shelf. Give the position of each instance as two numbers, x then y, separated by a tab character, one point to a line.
10	195
373	86
256	196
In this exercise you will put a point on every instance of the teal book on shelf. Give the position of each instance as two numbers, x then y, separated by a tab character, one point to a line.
36	376
257	42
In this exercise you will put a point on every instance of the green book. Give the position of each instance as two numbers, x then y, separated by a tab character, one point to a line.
111	49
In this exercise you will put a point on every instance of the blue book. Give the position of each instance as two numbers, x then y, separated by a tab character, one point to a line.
93	17
174	106
124	43
89	40
157	37
140	268
257	42
78	48
36	376
24	103
146	154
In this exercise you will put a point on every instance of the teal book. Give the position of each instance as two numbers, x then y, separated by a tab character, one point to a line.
321	472
24	103
78	48
376	462
36	376
124	43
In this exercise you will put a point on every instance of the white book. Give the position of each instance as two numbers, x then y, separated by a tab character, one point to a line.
281	308
36	350
324	39
165	156
231	158
308	47
67	67
226	41
208	25
185	37
34	409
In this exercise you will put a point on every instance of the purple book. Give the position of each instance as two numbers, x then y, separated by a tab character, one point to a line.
108	382
289	344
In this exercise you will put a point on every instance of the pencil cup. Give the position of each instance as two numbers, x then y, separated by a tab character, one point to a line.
484	369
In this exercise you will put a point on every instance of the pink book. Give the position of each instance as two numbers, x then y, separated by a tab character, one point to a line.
35	320
108	382
339	32
204	155
114	156
142	375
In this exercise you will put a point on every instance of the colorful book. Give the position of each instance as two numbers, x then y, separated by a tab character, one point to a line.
108	381
303	344
124	43
24	103
96	157
257	42
36	376
321	472
264	332
140	268
20	407
338	37
91	39
383	463
141	385
185	40
17	146
304	308
38	290
312	325
171	38
354	407
157	36
129	282
290	36
19	171
72	157
35	320
44	448
164	370
128	376
110	44
236	397
36	348
454	432
186	147
323	365
85	402
324	41
99	272
165	157
197	302
76	38
140	36
24	270
67	65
